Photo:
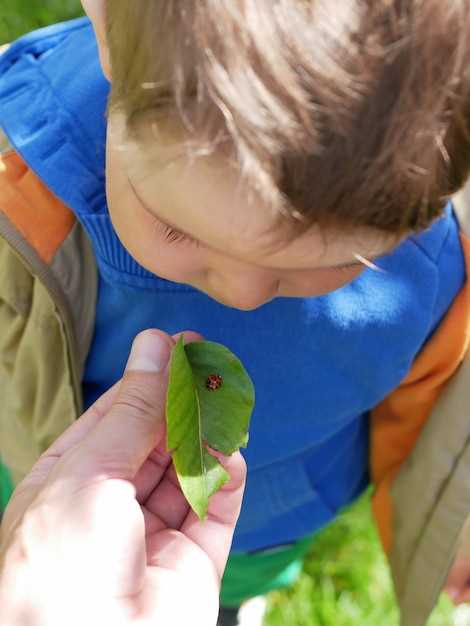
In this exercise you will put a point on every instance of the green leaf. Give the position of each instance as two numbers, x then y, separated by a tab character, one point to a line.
198	417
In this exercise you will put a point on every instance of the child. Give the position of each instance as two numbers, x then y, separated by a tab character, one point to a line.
276	178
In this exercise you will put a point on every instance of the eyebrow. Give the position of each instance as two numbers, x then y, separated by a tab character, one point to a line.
360	260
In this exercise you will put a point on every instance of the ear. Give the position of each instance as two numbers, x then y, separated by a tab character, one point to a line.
96	11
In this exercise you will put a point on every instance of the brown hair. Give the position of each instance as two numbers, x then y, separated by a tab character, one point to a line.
349	113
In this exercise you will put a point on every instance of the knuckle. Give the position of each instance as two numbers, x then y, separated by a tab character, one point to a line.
134	405
138	398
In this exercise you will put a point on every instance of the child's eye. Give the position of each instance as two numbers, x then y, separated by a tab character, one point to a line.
173	236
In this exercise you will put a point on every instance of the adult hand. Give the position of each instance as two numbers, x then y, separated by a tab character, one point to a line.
99	531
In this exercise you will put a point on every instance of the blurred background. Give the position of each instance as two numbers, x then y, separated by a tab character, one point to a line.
345	581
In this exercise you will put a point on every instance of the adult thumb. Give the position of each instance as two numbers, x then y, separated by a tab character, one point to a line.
135	424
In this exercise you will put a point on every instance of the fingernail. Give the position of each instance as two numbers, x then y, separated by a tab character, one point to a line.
150	353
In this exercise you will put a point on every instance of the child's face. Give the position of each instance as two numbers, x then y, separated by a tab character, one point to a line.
236	252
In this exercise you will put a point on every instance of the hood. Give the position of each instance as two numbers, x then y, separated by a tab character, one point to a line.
54	78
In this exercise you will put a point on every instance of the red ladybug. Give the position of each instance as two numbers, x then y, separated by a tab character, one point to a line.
214	381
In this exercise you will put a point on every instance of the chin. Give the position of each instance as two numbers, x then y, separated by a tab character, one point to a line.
239	306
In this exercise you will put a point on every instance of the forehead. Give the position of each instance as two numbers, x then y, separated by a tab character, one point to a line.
206	198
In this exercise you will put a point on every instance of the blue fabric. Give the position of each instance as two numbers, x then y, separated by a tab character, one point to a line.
319	364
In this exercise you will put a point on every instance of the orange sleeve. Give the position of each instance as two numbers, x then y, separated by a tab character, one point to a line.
397	421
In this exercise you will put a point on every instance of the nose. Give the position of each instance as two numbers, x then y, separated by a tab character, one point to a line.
245	291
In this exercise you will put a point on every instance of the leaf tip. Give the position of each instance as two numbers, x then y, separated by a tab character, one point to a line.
201	512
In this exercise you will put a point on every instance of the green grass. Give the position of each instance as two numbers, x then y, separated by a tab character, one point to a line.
20	16
345	581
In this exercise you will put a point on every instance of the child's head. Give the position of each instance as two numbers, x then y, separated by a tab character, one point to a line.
285	137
